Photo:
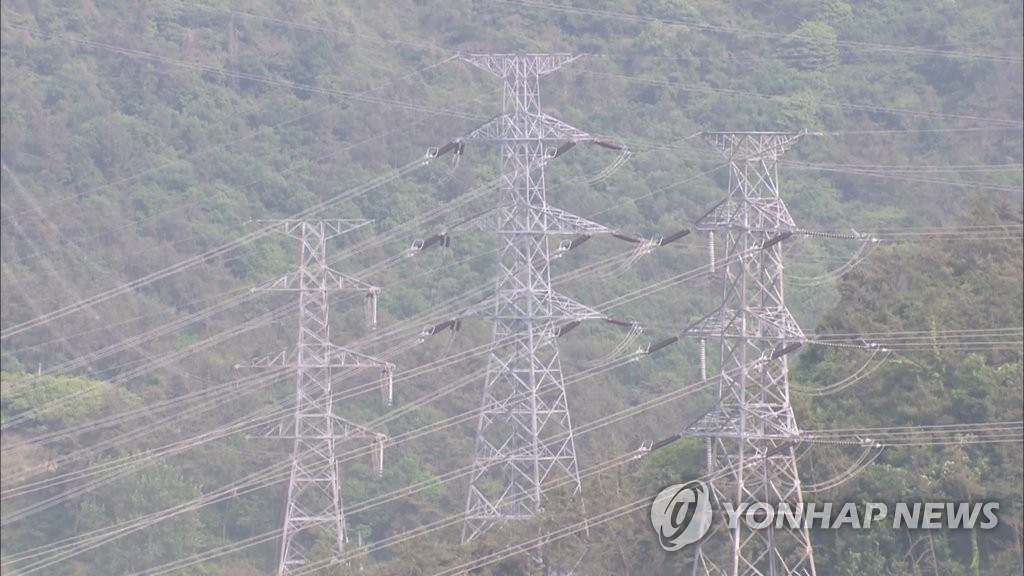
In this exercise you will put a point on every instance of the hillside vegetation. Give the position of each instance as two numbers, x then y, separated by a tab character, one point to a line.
144	142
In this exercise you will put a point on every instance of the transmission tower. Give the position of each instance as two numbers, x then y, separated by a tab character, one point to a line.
751	430
314	515
524	433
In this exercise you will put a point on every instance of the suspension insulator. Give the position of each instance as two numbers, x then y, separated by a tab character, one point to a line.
665	442
566	328
388	385
779	449
577	241
703	359
563	149
665	240
711	250
443	325
617	322
454	325
371	307
567	245
659	345
643	450
378	454
443	239
626	237
609	145
780	352
455	146
775	240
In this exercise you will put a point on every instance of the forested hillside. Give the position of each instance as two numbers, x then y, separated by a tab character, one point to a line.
146	142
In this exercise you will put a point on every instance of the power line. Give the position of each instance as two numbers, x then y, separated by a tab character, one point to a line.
996	122
208	149
209	254
699	25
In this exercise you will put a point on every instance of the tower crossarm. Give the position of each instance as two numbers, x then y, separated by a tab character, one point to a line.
331	227
336	357
752	146
770	324
739	216
520	125
344	357
553	220
505	65
343	430
333	281
563	308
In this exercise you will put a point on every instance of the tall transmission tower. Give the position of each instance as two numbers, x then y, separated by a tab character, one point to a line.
751	430
524	433
314	515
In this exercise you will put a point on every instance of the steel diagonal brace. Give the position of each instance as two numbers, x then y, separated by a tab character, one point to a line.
348	431
509	126
337	357
344	429
781	320
715	422
334	280
724	322
563	223
349	359
346	358
283	358
559	221
564	309
752	146
573	310
721	216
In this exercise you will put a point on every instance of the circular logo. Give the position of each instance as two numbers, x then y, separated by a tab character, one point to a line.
681	514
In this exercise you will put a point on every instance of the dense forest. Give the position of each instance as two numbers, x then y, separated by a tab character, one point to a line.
145	142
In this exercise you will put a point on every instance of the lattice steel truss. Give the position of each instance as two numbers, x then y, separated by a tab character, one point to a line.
314	515
751	430
524	432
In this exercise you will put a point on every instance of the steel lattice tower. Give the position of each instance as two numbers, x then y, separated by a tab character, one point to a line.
751	430
314	515
524	432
